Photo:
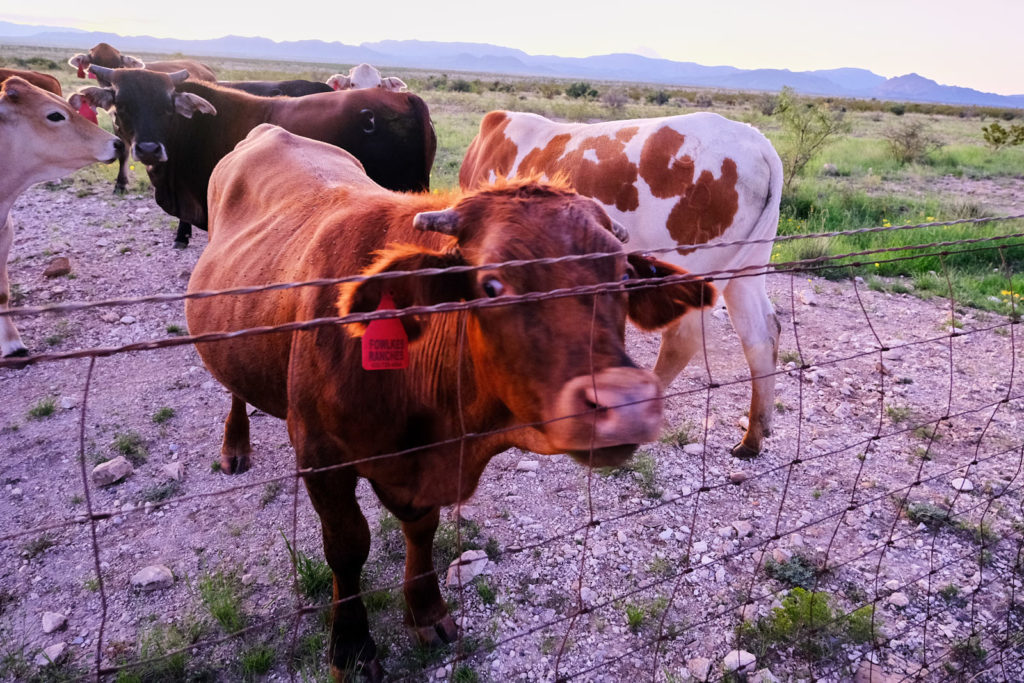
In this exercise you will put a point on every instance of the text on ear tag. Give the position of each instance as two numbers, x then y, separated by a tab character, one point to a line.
385	344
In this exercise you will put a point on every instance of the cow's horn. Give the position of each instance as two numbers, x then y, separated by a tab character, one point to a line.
179	77
446	221
619	230
101	72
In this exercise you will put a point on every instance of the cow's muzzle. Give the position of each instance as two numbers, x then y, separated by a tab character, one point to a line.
149	153
601	419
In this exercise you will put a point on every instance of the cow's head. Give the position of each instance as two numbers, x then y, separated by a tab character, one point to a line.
145	104
45	137
365	76
557	365
106	56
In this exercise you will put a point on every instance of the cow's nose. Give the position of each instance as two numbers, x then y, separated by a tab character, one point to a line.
118	146
148	147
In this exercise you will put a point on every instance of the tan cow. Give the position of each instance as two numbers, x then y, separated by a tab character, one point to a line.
42	138
549	376
678	181
365	76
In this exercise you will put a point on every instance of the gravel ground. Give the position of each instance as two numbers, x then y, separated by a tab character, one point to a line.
682	541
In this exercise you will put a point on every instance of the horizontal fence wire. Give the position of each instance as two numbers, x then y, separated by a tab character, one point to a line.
998	560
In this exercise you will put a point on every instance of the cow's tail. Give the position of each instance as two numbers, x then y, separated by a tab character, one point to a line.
422	114
767	225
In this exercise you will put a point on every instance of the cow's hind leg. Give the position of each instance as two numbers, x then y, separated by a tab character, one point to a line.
753	318
10	340
679	342
426	611
346	547
236	449
121	183
183	235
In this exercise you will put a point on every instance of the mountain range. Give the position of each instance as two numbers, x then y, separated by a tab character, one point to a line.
485	58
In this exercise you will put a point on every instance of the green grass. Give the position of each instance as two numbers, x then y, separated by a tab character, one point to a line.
314	575
220	594
43	408
161	492
797	571
255	661
131	445
163	414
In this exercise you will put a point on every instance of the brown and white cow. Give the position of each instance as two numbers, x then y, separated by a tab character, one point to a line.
42	137
105	56
678	181
180	128
551	377
365	76
40	80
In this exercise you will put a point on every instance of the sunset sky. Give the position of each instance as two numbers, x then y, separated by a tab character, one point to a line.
971	44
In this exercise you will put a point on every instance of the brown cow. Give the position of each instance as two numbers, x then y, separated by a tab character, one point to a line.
44	81
551	377
678	181
42	138
181	128
104	55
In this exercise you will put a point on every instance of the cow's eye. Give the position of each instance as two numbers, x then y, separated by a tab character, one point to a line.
629	274
492	287
55	116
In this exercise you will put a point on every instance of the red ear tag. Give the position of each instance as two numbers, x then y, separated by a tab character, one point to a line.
385	344
85	110
81	71
92	76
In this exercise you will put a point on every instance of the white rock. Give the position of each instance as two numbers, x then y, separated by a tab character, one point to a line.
467	566
899	599
738	476
155	577
699	667
748	612
111	471
726	531
52	621
763	676
173	470
127	320
700	547
961	484
693	448
588	595
743	422
528	465
720	313
892	585
743	528
51	655
739	660
68	402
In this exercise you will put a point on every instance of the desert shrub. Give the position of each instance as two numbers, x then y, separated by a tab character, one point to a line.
998	137
703	101
809	127
549	90
910	141
658	97
614	99
580	89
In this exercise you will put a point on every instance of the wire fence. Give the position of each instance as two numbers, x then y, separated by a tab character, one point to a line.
882	530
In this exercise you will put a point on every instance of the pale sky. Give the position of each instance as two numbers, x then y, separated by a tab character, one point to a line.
975	43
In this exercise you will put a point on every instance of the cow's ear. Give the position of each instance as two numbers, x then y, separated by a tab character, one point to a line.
187	104
98	98
654	307
130	62
79	61
394	84
407	290
339	82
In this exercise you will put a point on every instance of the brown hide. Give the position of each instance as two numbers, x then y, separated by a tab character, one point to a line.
44	81
104	54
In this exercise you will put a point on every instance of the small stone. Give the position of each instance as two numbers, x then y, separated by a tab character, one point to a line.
110	317
828	170
700	547
743	422
763	676
666	535
155	577
693	448
899	599
748	612
738	661
961	484
808	298
466	567
726	531
743	528
51	655
699	667
111	471
528	466
892	585
173	470
57	267
52	621
588	595
738	476
68	402
248	579
869	672
127	320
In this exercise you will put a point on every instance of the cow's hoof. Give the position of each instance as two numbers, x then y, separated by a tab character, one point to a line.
444	631
744	452
234	464
120	189
180	245
17	353
371	671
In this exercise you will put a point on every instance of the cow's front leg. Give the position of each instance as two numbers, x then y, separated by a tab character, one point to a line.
10	340
183	235
235	450
426	611
346	546
121	183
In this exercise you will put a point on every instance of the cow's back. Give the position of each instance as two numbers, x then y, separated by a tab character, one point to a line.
684	180
40	80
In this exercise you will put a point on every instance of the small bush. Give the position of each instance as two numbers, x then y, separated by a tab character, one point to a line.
659	97
130	445
315	576
256	661
45	407
580	89
163	415
219	593
797	571
998	137
910	142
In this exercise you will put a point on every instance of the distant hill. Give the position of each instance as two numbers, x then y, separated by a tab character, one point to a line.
482	57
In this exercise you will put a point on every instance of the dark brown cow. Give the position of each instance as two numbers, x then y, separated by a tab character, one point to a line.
293	88
551	377
104	55
44	81
181	128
